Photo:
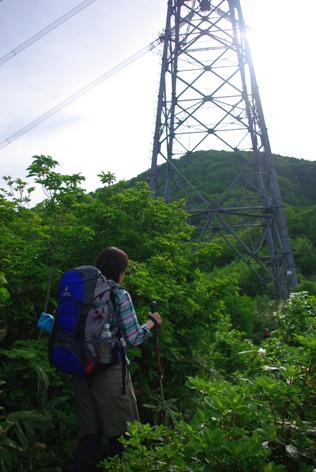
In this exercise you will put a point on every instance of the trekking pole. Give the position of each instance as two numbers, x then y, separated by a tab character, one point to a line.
160	376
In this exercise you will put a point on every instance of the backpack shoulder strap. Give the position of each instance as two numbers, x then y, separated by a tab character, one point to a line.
112	294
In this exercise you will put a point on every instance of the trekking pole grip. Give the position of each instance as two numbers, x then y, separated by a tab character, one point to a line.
152	310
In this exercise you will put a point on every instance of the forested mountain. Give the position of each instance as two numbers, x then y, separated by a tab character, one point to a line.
210	172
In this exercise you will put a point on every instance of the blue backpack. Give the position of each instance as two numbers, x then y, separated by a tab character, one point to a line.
84	297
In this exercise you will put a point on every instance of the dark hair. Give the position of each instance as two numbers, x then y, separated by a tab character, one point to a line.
112	262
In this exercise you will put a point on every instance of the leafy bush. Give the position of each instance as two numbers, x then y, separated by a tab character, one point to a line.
263	420
233	400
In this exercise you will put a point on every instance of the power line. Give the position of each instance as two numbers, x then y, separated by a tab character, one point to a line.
81	92
45	31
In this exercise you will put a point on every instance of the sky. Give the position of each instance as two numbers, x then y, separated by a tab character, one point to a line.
110	128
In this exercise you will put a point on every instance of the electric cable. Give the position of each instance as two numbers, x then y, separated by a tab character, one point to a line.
45	31
81	92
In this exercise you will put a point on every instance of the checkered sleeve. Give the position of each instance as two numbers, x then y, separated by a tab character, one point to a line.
133	333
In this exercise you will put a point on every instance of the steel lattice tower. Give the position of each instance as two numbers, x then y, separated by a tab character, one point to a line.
208	99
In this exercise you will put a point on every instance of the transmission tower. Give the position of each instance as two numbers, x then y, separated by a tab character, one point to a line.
208	100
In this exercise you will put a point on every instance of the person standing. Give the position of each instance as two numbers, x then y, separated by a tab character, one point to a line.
104	405
266	333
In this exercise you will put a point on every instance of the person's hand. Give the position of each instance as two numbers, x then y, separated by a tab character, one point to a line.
153	320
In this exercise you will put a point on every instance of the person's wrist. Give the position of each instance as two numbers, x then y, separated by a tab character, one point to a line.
150	324
153	319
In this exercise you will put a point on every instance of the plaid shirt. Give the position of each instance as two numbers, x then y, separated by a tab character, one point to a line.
124	319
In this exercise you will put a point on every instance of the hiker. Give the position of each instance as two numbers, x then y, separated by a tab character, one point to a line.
266	333
103	409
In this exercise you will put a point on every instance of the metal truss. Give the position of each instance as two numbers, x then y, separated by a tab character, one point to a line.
209	100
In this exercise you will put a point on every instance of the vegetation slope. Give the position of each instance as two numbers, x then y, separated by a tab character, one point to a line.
234	400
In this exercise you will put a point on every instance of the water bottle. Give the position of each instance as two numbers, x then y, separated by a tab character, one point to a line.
105	345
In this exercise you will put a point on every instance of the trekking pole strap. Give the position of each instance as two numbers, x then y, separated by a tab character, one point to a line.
153	320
